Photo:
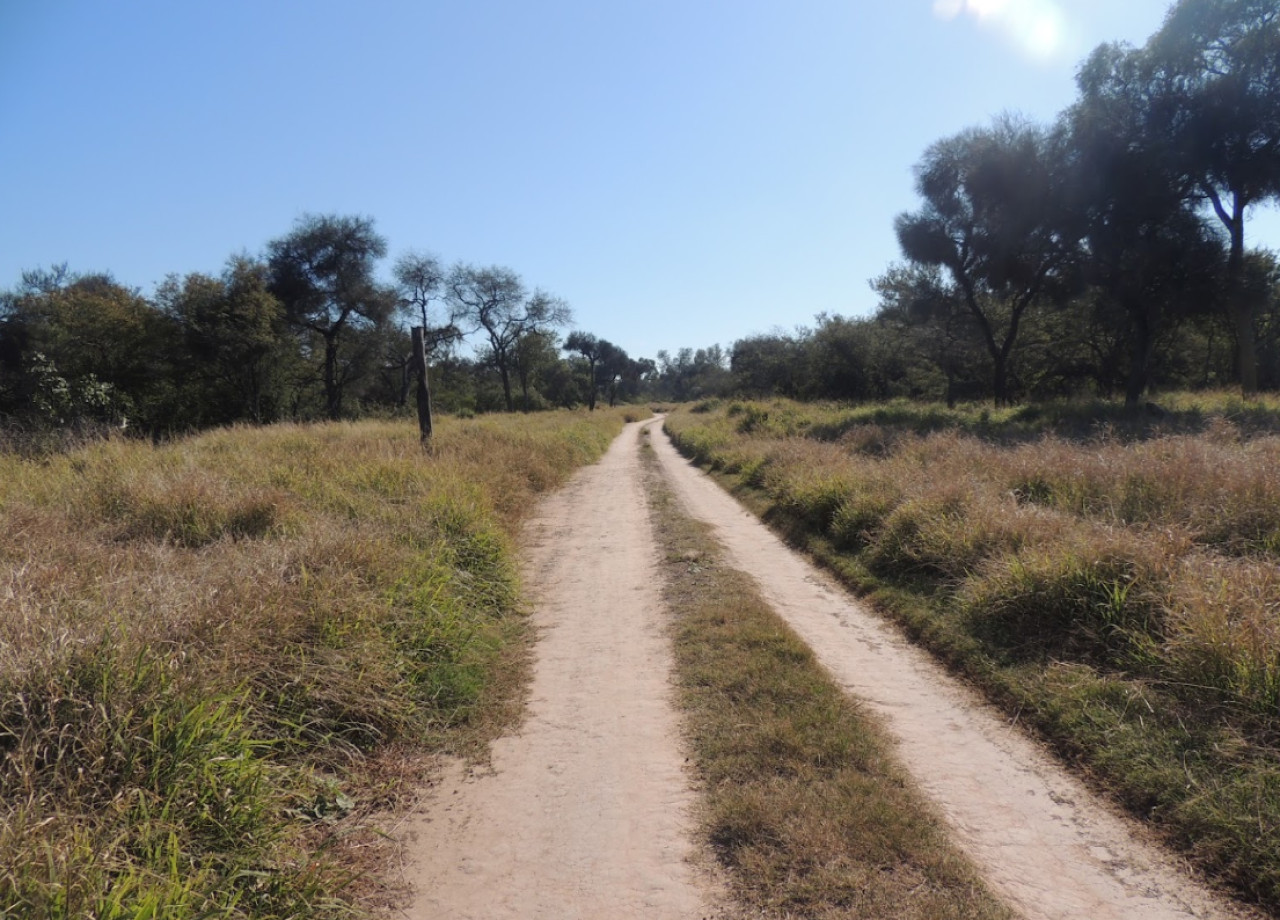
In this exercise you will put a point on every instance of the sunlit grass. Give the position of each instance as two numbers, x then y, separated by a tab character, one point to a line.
1075	558
203	643
804	803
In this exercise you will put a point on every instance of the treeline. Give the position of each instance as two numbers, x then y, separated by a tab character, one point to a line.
304	330
1105	252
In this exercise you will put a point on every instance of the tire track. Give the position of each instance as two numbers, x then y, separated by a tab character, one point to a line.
1042	840
584	811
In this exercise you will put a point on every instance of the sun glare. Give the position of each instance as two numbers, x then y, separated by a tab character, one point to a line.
1037	28
991	9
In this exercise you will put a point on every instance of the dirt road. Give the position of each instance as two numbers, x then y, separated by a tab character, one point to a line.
1041	839
585	812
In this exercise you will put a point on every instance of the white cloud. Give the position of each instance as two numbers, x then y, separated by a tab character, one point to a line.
1037	28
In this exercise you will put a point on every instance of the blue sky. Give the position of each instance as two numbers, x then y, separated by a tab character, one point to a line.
682	173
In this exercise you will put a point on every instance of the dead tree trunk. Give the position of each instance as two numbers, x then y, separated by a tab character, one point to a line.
424	390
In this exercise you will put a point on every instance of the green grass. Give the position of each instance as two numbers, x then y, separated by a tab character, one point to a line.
221	658
1109	578
804	803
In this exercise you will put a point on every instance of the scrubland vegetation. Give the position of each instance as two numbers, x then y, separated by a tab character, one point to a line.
804	803
217	656
1109	577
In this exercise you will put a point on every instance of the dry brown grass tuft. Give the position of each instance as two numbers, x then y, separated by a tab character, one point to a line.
1223	624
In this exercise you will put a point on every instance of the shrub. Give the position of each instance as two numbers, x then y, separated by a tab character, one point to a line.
1093	595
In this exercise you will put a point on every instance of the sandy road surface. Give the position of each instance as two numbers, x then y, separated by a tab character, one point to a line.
1038	835
584	813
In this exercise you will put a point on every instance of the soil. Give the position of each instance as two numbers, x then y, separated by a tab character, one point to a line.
1042	840
586	811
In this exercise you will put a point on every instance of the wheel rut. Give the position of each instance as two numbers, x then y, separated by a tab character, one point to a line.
584	812
1042	840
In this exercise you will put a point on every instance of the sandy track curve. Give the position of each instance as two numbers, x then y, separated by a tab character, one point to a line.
585	811
1040	838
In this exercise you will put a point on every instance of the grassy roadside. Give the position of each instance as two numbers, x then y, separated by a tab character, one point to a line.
220	657
1112	586
804	803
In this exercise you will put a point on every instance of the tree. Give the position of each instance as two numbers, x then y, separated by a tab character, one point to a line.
932	318
494	301
991	200
235	338
86	346
588	346
766	365
419	281
1220	61
614	366
693	374
638	375
1262	280
535	354
1145	246
323	274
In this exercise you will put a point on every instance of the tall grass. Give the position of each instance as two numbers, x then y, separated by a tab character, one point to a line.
206	646
803	802
1109	576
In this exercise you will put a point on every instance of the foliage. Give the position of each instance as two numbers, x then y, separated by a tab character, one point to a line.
1102	253
991	216
496	304
323	274
235	337
1220	63
306	330
691	374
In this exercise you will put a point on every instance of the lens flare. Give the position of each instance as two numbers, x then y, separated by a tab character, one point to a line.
1036	28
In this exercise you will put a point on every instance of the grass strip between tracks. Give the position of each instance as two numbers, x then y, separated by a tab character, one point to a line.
804	805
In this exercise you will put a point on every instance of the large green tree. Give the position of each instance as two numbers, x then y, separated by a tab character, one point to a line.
1219	61
1147	250
86	346
323	272
692	374
535	354
238	348
591	348
990	218
419	283
930	317
766	365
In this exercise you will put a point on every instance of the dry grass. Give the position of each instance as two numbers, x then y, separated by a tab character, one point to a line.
209	651
1071	568
805	804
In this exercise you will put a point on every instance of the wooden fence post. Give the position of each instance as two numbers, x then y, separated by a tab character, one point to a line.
424	391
